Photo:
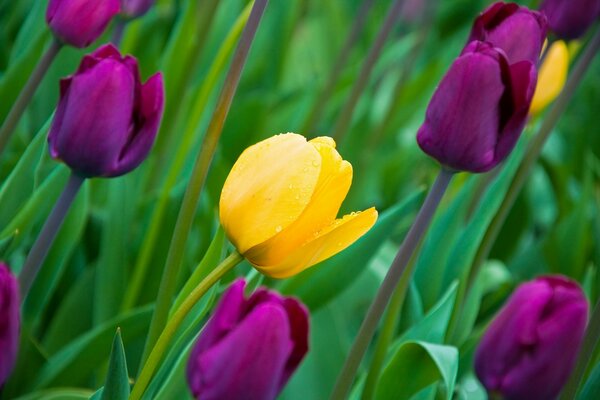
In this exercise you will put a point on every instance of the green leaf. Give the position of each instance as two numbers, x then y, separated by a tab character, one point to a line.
591	389
415	366
58	394
321	283
117	378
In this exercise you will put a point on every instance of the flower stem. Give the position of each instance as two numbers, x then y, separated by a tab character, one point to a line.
15	113
590	341
393	276
118	30
317	109
40	248
532	154
345	117
161	346
190	199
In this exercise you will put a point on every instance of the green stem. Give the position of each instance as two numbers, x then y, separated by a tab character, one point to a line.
532	154
162	344
175	168
393	276
319	105
17	110
345	117
190	200
590	341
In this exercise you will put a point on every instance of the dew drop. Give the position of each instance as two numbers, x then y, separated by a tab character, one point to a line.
278	228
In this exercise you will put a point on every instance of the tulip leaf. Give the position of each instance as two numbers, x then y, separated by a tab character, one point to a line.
415	366
117	378
321	283
76	361
591	389
58	394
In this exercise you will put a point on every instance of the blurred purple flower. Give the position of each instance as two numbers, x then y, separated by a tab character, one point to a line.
250	347
529	350
518	31
106	120
570	19
80	22
479	109
9	322
135	8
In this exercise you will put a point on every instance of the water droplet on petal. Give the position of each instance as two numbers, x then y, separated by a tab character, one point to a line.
278	228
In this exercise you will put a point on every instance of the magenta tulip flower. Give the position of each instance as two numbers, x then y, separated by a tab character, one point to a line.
479	109
9	322
529	350
518	31
80	22
570	19
106	120
250	347
135	8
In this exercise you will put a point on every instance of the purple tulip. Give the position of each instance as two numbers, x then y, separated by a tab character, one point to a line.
570	19
250	347
479	109
80	22
529	350
9	322
106	120
517	30
135	8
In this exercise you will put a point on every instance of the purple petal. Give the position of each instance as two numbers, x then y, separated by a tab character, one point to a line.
9	322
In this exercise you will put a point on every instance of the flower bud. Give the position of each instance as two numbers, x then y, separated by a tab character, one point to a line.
518	31
80	22
135	8
280	212
552	76
250	347
530	348
570	19
9	322
106	120
479	110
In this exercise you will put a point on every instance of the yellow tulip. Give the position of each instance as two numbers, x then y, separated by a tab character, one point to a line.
552	76
279	204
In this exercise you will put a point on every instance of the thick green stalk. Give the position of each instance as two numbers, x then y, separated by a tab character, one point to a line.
162	344
192	195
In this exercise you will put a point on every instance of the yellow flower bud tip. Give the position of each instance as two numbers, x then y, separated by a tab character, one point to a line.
552	76
280	201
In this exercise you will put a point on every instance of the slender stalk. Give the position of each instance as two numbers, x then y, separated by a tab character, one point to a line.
532	154
161	346
40	248
345	117
192	194
177	164
393	276
590	341
359	22
118	30
15	113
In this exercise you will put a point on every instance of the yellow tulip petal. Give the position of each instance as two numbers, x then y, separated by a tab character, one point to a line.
330	241
552	76
333	185
268	188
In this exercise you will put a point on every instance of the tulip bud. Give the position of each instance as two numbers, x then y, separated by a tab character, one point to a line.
280	212
250	347
479	110
530	348
552	76
570	19
518	31
106	120
135	8
80	22
9	322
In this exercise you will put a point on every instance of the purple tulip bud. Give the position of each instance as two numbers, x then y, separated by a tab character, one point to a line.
9	322
135	8
517	30
106	120
570	19
80	22
250	347
529	350
479	109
